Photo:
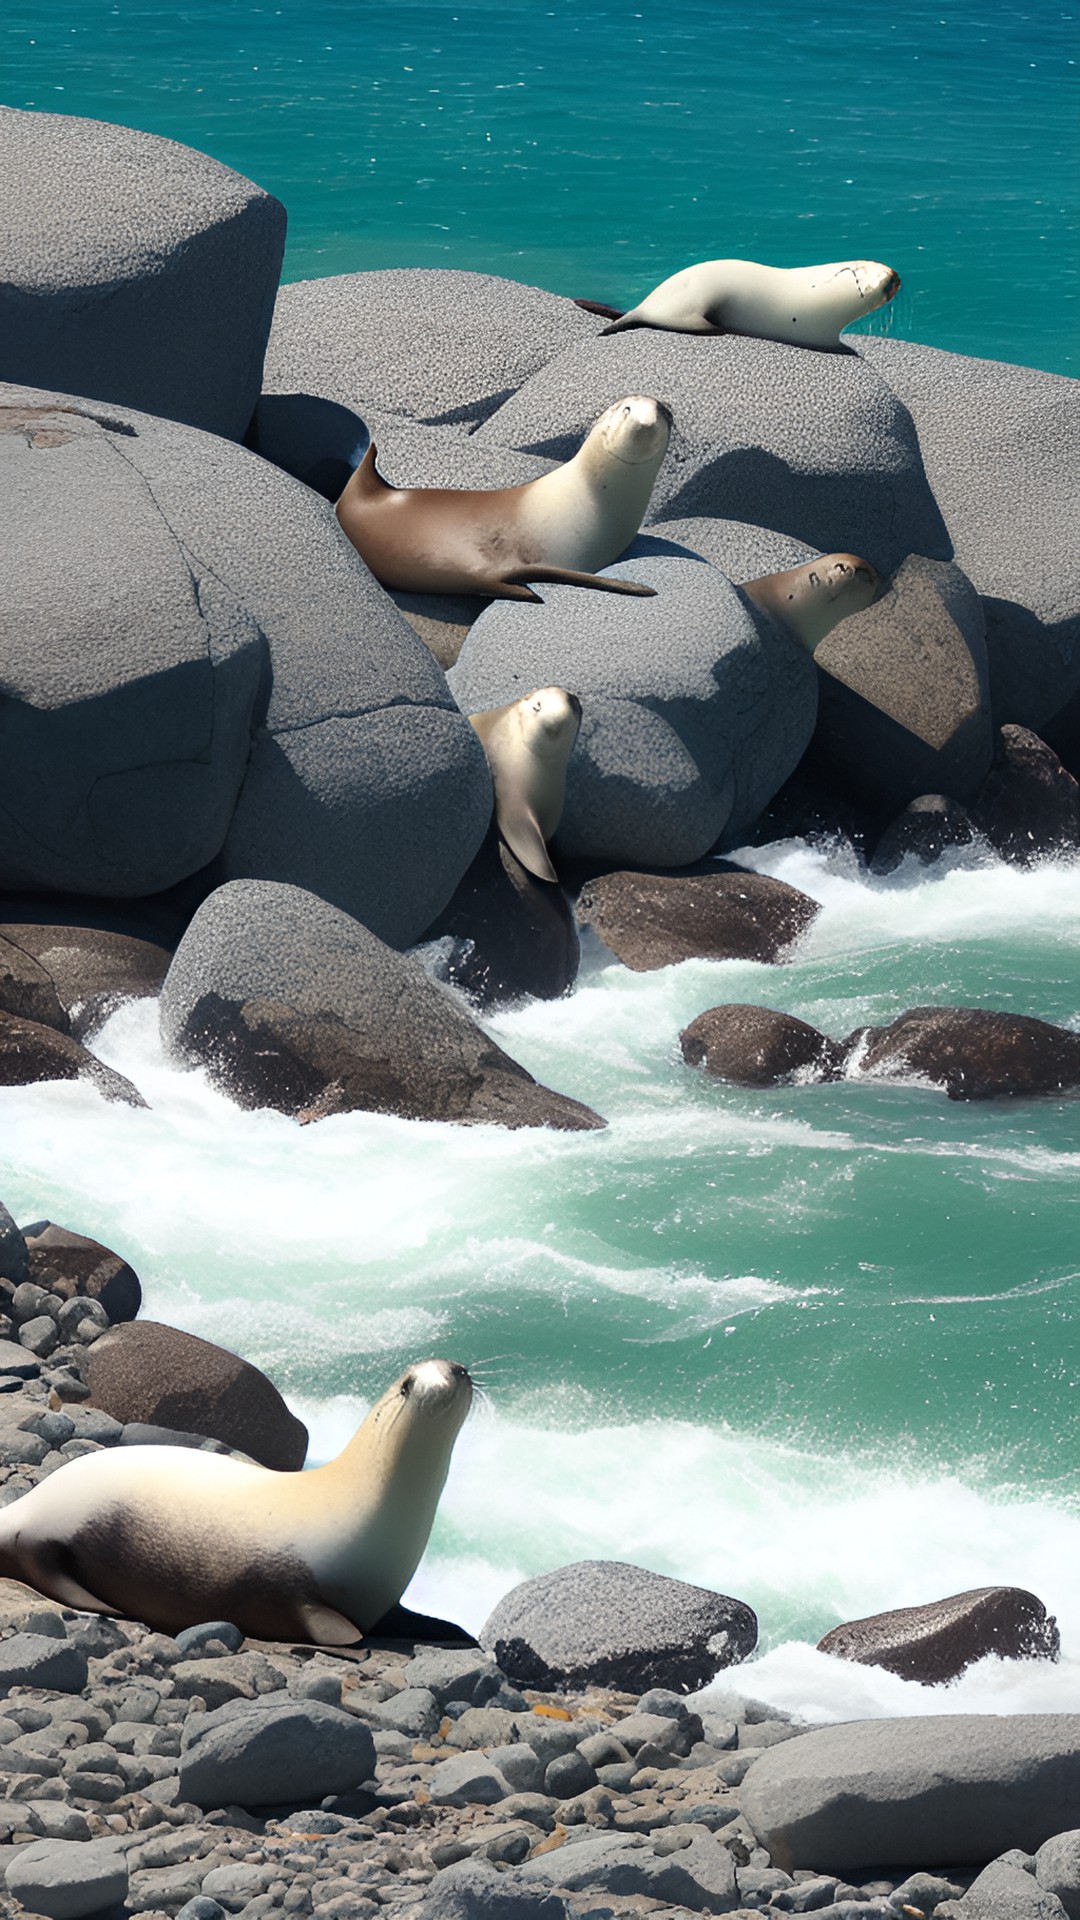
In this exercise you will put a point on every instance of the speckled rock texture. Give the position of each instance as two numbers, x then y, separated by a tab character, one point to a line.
949	1787
751	1046
246	643
412	1048
72	1266
695	708
656	920
87	972
604	1623
742	551
135	270
904	691
973	1053
812	445
934	1643
153	1374
438	345
254	1755
1001	446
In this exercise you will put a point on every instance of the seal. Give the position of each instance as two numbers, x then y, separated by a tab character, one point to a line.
811	599
805	306
528	744
173	1536
560	527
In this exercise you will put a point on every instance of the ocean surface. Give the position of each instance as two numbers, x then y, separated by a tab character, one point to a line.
816	1348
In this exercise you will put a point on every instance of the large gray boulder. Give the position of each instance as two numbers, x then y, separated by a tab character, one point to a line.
267	1752
67	1878
812	445
436	344
1001	446
1004	1890
695	707
290	1003
135	270
216	628
608	1624
742	551
949	1787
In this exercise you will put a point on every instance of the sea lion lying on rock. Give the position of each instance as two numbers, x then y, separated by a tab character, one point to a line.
805	306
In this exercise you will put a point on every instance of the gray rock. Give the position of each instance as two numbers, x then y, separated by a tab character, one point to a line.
1057	1868
656	920
467	1779
812	445
233	1885
136	270
604	1623
30	1053
38	1660
192	1640
973	1053
367	1025
258	1754
436	345
1003	1892
1000	444
453	1673
201	1908
67	1878
568	1775
696	706
945	1787
26	989
668	1732
473	1890
741	551
521	1766
700	1876
904	692
751	1046
934	1643
413	1711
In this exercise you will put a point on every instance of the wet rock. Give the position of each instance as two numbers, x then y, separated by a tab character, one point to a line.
159	298
514	936
657	920
14	1259
91	970
1029	805
604	1623
264	1753
1057	1868
933	1644
925	829
972	1053
951	1787
30	1053
759	1047
67	1878
903	691
75	1267
144	1371
355	1025
26	990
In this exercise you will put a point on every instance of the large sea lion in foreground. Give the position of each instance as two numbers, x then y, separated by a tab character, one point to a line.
561	527
528	744
805	306
811	599
173	1536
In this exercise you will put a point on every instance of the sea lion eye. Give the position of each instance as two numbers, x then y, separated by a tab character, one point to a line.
406	1386
814	581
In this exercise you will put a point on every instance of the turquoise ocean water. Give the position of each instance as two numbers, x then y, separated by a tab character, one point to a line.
817	1348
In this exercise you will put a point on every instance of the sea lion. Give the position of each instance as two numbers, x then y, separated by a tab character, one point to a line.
806	306
811	599
173	1536
561	527
528	744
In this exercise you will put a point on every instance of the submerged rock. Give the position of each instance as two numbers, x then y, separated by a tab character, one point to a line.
926	828
29	1053
91	971
151	1374
657	920
974	1053
759	1047
934	1643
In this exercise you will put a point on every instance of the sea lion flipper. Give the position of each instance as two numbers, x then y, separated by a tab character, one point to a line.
44	1568
520	828
326	1626
567	577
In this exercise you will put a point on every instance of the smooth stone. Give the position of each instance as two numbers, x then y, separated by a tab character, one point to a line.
514	937
66	1879
369	1025
157	294
1057	1868
260	1753
192	1640
928	826
201	1908
751	1046
520	1765
39	1660
1029	804
568	1775
657	920
742	551
91	970
667	1732
700	1876
73	1266
30	1053
452	1674
467	1779
473	1890
1004	1892
936	1642
145	1371
972	1053
949	1787
605	1623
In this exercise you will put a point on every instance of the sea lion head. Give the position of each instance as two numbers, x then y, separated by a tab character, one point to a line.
549	718
877	283
634	430
420	1416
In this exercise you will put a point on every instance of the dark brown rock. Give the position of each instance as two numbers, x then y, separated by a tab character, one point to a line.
974	1053
656	920
903	692
68	1263
91	970
26	989
160	1377
515	936
30	1052
758	1047
926	828
935	1643
1029	805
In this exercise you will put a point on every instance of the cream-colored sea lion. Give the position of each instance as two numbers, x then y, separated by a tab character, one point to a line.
806	306
173	1536
811	599
561	527
528	744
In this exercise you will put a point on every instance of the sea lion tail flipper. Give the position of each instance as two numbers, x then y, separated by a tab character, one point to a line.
567	577
623	323
520	828
601	311
326	1626
367	480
